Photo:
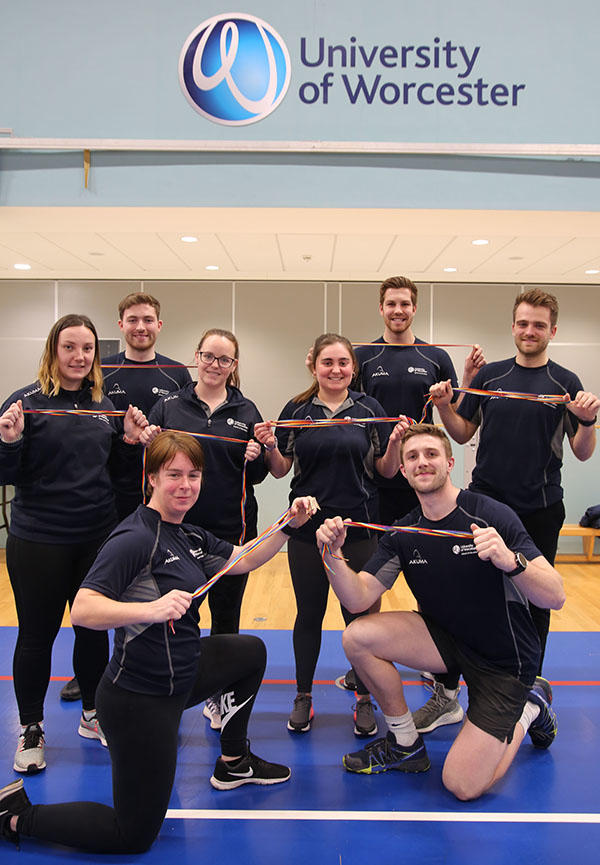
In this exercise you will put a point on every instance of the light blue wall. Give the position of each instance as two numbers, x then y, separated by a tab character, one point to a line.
81	69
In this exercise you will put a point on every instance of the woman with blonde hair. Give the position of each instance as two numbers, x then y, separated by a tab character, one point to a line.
62	510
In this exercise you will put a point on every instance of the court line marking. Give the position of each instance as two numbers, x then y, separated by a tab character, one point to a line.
387	816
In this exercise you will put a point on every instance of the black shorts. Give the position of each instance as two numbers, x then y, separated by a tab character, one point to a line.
496	698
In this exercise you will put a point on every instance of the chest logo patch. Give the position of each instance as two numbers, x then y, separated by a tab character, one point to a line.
417	558
379	371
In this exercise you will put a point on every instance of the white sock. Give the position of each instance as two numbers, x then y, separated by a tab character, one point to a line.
88	714
530	713
403	728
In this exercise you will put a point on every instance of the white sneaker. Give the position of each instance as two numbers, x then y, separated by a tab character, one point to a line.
30	754
212	711
91	729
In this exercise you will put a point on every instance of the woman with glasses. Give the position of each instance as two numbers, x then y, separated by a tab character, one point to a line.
214	405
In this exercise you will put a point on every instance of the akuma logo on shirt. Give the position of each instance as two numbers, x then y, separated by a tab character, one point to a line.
379	371
417	558
116	389
234	69
171	557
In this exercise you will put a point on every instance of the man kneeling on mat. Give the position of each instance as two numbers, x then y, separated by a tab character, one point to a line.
473	569
143	585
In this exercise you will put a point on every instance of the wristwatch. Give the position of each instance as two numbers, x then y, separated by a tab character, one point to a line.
520	565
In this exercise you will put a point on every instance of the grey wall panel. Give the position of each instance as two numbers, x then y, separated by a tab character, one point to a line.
189	308
27	308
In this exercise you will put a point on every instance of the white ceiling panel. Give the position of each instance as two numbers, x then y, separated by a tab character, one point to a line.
207	250
413	254
91	249
576	254
519	253
307	253
147	250
361	252
252	252
32	247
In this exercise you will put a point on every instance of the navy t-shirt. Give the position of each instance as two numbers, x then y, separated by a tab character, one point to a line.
399	379
471	599
520	451
335	464
141	386
142	560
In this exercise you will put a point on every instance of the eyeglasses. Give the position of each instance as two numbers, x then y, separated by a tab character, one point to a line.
209	358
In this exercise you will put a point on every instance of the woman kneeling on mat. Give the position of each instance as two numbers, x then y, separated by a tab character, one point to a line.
142	584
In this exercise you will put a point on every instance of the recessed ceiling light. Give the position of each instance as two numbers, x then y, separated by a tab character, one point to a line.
592	270
22	266
189	238
450	269
212	267
480	242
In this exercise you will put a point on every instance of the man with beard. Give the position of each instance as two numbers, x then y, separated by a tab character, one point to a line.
472	568
520	451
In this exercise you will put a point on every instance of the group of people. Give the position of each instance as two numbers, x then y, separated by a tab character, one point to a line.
482	566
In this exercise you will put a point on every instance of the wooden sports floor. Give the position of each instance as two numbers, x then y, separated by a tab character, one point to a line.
546	811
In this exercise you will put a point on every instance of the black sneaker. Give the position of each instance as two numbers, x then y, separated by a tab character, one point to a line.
249	769
302	714
364	718
71	692
347	682
383	754
13	801
543	730
13	798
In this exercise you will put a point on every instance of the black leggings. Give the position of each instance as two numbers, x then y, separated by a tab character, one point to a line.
142	731
44	578
311	588
226	596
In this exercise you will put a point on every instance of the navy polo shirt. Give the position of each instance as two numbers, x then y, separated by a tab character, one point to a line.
468	597
142	560
335	464
520	451
400	378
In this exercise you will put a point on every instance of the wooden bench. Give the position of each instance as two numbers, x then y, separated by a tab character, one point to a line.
588	536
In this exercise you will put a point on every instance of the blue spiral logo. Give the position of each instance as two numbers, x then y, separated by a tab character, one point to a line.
234	69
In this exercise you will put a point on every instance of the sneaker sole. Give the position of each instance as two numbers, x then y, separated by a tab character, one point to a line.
447	718
293	729
411	769
32	769
362	734
89	734
231	785
340	683
209	717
